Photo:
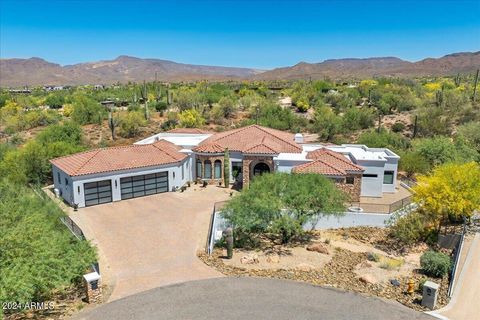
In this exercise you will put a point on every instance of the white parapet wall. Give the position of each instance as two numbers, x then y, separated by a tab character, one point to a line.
350	219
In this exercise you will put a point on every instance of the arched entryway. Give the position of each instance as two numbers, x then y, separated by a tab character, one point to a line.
260	168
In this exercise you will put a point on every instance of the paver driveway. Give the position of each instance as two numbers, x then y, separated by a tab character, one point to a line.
151	241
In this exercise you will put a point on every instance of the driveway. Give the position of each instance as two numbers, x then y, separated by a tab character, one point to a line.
152	241
464	303
250	298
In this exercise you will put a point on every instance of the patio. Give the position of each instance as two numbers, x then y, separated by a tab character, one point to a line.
388	203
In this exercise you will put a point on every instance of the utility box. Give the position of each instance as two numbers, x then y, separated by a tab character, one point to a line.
92	287
430	294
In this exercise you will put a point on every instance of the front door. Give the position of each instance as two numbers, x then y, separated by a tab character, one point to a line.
260	168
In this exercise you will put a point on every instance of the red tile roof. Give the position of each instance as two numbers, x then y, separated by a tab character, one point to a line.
189	130
209	148
119	158
328	162
256	139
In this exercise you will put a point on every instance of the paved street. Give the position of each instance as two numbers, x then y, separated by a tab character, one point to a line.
151	241
250	298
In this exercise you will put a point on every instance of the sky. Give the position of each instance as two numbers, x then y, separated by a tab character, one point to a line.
257	34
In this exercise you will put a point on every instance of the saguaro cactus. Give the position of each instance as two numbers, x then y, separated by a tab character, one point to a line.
112	124
226	169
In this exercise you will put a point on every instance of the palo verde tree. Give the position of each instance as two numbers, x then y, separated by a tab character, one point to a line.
280	204
452	191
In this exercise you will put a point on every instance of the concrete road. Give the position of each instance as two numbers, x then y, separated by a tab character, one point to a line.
250	298
151	241
465	301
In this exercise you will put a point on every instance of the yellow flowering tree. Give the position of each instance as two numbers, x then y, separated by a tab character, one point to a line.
452	190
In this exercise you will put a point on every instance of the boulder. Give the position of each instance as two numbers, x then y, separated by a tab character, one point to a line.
249	259
304	267
318	247
368	279
273	258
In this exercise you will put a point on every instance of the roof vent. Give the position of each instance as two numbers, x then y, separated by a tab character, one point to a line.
298	138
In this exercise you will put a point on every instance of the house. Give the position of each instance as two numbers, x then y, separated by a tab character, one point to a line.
168	160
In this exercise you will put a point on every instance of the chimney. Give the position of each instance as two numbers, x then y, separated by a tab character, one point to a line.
298	138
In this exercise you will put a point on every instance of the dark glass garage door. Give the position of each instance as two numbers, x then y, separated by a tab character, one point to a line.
97	192
144	185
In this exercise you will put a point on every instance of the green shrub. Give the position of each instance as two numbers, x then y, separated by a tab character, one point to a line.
39	254
409	228
435	264
131	122
372	256
398	127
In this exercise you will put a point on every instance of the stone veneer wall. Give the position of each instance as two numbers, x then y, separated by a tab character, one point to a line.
212	159
353	190
93	295
249	162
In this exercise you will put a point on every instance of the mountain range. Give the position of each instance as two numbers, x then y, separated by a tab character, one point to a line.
36	71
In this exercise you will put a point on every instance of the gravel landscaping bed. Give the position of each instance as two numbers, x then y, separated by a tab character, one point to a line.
340	271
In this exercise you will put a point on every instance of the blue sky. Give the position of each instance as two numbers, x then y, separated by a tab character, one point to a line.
260	34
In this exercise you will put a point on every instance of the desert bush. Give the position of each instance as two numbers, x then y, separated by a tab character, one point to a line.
87	110
398	127
131	123
384	139
413	163
435	264
372	256
390	263
409	228
39	254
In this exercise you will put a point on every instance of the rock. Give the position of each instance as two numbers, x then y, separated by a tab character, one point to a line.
318	247
249	259
304	267
365	264
273	258
395	282
368	279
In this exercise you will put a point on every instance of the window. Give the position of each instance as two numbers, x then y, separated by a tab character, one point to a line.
218	169
183	171
350	180
58	178
370	175
199	169
66	181
208	169
388	177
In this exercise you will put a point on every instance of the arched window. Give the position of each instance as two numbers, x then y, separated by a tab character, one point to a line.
208	169
199	169
218	169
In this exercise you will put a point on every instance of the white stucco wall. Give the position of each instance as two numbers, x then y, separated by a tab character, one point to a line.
66	190
391	165
372	187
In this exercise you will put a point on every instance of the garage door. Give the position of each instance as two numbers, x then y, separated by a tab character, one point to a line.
144	185
97	192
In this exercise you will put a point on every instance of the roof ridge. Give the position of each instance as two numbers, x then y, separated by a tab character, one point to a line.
234	131
167	152
339	156
331	166
276	137
90	159
313	162
261	144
